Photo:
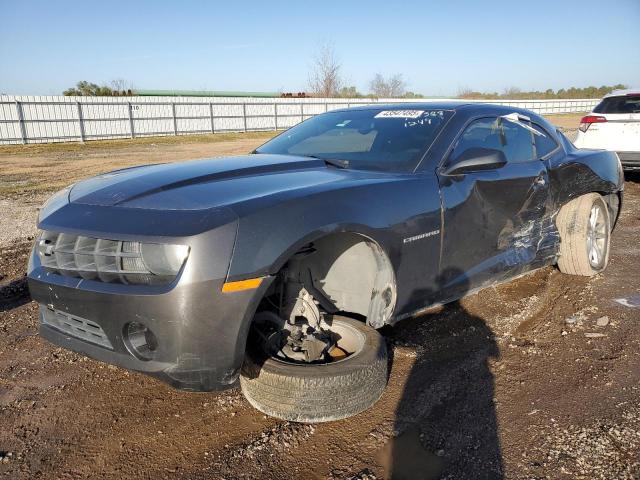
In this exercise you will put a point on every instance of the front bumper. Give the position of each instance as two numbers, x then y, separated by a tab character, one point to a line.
201	331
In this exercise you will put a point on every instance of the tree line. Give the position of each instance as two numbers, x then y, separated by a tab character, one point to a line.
119	87
514	93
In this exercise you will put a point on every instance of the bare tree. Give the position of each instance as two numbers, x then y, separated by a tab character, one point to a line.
511	92
120	86
392	87
465	92
378	86
325	79
397	86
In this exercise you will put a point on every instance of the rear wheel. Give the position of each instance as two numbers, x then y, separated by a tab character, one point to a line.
585	229
345	378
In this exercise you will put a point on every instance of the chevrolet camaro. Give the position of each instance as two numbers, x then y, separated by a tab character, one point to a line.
279	267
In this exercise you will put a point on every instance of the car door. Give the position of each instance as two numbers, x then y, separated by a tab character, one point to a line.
495	215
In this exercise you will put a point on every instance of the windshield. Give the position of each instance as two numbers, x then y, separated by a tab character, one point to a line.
372	139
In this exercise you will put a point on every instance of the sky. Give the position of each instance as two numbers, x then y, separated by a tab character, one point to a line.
440	47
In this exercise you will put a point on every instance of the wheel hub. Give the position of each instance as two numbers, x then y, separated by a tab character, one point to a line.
597	237
305	343
302	343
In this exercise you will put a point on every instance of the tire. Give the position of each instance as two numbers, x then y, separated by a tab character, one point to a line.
313	393
576	235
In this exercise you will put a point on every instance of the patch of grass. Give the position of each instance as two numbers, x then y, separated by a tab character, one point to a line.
99	145
566	120
29	187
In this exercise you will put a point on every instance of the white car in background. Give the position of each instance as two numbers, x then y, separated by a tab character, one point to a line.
614	124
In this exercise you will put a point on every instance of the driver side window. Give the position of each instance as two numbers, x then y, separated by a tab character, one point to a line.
481	133
514	140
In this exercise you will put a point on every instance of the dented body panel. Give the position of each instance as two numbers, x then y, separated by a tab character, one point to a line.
441	234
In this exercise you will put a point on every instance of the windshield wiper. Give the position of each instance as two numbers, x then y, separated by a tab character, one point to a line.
334	162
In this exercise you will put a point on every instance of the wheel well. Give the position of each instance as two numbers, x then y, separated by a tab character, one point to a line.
352	272
613	201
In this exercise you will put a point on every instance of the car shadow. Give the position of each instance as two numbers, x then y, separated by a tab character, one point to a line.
14	295
445	423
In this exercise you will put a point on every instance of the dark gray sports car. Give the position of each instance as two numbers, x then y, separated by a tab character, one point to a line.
279	266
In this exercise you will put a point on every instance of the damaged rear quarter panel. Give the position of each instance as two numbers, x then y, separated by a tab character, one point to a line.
585	171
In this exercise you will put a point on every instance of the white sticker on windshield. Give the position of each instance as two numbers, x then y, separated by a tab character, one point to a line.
399	114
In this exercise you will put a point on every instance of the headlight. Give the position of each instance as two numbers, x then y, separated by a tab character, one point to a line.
56	201
164	259
110	260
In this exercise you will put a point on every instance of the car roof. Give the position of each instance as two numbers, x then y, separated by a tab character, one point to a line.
471	108
435	105
620	93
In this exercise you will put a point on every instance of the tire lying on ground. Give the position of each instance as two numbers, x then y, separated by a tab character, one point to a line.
312	393
585	229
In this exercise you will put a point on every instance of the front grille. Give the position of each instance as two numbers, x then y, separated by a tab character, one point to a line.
95	259
75	326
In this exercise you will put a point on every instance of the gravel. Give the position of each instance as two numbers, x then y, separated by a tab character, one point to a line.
602	450
276	439
18	219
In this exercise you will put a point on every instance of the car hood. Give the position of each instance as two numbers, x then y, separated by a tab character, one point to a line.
211	183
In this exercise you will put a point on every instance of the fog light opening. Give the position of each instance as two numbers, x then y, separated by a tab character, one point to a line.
140	341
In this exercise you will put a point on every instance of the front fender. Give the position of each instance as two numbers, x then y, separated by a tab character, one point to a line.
319	233
389	213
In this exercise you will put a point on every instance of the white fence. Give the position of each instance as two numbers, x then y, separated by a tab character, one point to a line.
44	119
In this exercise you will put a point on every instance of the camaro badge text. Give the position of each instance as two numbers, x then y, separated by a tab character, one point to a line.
421	236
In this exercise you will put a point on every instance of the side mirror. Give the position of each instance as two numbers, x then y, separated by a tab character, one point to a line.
476	159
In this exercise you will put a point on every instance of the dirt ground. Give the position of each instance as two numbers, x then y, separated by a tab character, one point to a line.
537	378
